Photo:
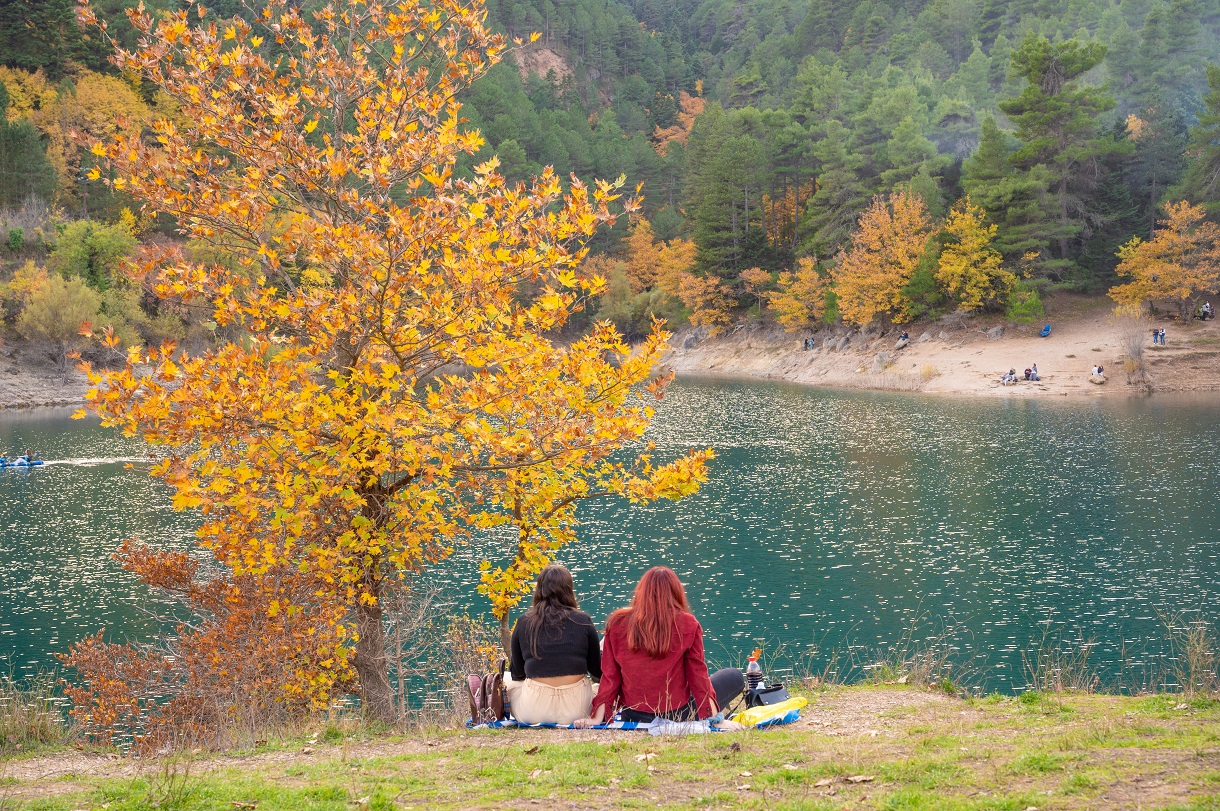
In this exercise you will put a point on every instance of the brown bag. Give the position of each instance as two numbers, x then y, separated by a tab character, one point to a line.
488	699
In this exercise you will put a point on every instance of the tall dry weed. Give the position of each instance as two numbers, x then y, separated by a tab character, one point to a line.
1134	333
30	714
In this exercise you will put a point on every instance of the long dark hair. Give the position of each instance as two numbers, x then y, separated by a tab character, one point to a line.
653	616
554	599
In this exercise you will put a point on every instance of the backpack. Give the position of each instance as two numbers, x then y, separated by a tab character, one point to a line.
487	696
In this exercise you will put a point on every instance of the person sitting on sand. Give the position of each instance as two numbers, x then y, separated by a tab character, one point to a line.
1033	372
1029	373
652	660
555	648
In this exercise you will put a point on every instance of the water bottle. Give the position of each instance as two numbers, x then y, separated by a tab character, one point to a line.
754	675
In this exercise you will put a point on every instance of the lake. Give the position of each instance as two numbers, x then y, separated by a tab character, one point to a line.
835	525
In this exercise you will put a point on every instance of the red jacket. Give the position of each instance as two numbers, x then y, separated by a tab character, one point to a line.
633	679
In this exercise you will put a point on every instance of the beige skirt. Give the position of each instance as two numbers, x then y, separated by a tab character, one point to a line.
537	703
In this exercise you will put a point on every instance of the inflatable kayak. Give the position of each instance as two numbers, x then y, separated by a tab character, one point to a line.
20	462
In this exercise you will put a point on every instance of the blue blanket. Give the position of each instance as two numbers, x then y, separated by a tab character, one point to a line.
617	723
509	723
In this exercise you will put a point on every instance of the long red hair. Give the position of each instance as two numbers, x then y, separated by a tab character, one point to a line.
653	615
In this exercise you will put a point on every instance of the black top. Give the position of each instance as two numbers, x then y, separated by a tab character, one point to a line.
570	650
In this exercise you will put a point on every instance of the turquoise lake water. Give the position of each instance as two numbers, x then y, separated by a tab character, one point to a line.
835	525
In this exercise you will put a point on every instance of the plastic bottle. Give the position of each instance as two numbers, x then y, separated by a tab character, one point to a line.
753	673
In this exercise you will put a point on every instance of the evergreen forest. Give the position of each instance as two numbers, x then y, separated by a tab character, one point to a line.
1036	138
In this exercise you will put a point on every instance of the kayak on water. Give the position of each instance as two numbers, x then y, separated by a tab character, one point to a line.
20	461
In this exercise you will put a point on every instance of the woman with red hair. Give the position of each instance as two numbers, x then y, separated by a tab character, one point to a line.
652	660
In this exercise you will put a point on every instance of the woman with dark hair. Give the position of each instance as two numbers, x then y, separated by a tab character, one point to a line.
554	651
652	660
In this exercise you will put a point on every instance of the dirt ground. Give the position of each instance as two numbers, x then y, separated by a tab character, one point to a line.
1101	753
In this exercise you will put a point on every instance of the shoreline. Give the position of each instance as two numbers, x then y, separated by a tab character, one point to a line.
954	357
966	357
23	387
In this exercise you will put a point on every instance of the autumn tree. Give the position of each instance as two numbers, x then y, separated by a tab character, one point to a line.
689	108
391	392
643	256
800	300
755	281
1180	263
885	249
675	260
969	268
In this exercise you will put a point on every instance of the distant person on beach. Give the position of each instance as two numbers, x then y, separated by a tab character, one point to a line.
1162	336
1034	372
1156	336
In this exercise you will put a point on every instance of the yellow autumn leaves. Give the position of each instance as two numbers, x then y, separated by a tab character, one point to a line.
390	388
891	241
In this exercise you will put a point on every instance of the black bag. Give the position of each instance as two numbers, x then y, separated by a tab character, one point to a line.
765	696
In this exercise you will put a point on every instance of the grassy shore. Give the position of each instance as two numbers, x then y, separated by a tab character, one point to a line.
885	747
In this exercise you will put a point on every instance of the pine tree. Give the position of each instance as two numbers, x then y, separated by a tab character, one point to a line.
840	193
24	168
43	35
822	26
1201	183
1159	160
1016	202
972	79
1058	124
725	182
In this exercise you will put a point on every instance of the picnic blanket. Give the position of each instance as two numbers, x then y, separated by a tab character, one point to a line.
786	712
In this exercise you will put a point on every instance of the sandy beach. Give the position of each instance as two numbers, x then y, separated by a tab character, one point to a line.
952	357
968	357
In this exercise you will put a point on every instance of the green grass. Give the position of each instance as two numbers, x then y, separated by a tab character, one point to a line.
907	749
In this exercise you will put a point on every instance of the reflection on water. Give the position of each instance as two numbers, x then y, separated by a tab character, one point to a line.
59	523
831	518
841	519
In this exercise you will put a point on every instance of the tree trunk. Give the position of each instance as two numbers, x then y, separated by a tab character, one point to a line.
376	694
506	637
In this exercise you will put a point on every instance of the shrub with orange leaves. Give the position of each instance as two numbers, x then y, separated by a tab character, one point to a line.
233	671
392	391
885	249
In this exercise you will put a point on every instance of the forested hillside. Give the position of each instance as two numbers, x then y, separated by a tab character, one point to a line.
762	130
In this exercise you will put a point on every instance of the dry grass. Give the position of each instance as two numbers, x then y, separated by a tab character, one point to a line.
906	748
30	717
1134	335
